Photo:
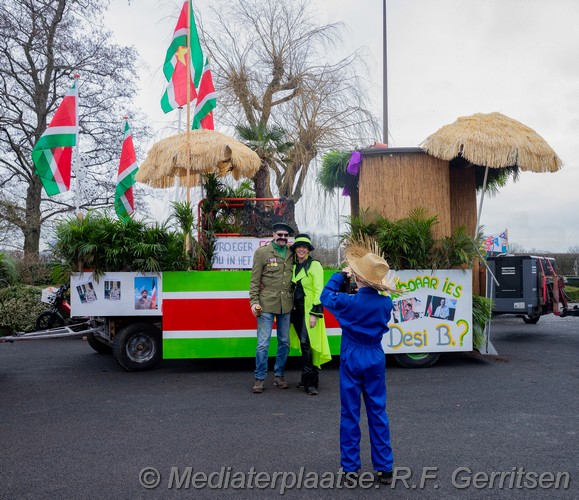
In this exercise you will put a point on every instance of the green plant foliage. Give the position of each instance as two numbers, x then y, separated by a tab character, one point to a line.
459	250
333	171
481	313
409	243
8	270
367	223
19	307
103	244
572	292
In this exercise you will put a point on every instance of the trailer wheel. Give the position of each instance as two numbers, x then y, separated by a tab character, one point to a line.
531	320
48	319
138	346
422	360
97	344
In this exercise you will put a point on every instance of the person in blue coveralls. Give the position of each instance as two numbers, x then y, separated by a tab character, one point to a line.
364	319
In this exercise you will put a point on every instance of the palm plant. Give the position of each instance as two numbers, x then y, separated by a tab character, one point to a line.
458	250
416	233
183	214
481	313
333	174
103	244
272	147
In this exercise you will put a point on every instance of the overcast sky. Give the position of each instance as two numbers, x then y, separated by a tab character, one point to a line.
446	58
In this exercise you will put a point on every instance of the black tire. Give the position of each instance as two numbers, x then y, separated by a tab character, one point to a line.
48	319
425	360
138	346
531	320
97	344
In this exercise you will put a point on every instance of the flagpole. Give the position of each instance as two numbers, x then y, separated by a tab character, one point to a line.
339	253
189	61
385	77
77	155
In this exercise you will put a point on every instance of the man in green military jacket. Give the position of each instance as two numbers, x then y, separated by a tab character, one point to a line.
271	298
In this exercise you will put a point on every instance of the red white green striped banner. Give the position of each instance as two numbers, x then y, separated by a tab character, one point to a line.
206	314
206	101
124	201
52	154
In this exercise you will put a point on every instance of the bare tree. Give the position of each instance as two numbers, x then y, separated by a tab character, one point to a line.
42	44
272	69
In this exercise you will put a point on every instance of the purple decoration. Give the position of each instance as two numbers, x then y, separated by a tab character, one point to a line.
346	191
354	164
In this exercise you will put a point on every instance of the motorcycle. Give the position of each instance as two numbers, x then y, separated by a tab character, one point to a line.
58	314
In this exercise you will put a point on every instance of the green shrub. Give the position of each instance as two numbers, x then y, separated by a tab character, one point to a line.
34	272
572	292
19	307
8	270
481	313
409	243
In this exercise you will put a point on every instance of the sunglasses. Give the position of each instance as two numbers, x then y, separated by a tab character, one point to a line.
282	235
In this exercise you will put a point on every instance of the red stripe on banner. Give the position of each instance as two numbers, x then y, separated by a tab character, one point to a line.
215	314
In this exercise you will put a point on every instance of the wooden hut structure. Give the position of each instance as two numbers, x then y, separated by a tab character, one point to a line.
443	176
393	181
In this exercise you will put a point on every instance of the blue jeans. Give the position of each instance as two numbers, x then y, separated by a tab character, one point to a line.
264	327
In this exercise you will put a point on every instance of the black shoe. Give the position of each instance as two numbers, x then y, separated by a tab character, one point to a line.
312	391
385	477
300	385
351	478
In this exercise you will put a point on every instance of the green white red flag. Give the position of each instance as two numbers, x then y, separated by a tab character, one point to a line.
52	154
206	101
124	200
182	70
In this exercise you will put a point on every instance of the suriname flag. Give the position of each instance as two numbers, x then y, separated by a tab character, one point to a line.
181	67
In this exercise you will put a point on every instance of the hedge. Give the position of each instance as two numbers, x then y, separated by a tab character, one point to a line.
19	307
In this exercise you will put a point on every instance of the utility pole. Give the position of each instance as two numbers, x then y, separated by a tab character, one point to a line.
384	76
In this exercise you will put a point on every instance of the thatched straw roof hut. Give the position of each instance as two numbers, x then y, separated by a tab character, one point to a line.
445	173
196	152
493	140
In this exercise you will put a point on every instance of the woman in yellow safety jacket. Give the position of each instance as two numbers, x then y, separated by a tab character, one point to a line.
308	329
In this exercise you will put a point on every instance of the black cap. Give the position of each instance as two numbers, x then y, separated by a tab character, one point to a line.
302	240
281	226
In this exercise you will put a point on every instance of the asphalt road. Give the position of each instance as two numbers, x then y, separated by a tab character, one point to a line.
73	424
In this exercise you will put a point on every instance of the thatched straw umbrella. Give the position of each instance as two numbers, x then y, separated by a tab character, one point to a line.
492	140
186	156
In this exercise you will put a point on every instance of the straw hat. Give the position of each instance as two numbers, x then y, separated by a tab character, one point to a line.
369	268
302	240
